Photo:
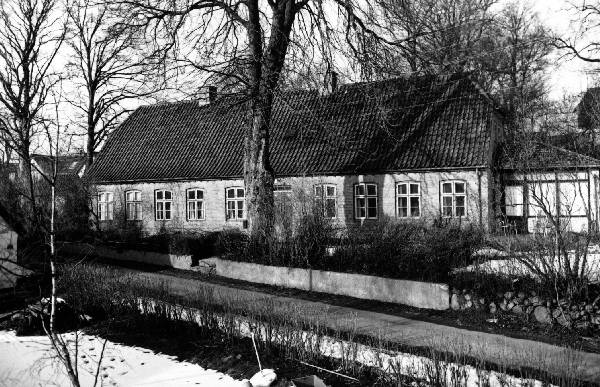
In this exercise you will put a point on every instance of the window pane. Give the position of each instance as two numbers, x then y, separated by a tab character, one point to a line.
447	188
159	195
414	207
199	211
240	193
371	189
101	197
460	201
199	194
168	195
447	205
191	194
129	196
330	190
402	207
459	187
460	211
230	193
138	196
138	211
361	211
359	189
372	207
318	190
402	189
414	188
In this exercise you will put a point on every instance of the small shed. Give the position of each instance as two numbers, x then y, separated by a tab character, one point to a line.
10	270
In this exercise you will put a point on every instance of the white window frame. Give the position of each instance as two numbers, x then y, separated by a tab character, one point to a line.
366	196
133	204
161	212
453	195
325	196
192	213
409	195
106	205
235	204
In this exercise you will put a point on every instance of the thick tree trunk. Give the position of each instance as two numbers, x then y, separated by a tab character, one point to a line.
264	71
258	174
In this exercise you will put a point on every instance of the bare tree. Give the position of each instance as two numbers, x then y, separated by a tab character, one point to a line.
108	66
31	33
583	43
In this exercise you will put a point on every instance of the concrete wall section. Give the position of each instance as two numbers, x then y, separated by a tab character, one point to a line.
413	293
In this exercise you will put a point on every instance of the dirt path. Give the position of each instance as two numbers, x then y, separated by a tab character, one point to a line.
504	351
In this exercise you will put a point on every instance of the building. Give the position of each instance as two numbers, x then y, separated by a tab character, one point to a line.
9	233
413	148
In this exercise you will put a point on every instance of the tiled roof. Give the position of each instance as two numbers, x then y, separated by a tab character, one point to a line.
402	124
67	164
535	155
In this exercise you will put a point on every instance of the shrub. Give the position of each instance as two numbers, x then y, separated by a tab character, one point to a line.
388	249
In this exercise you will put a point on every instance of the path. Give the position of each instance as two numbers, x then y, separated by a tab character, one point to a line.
501	350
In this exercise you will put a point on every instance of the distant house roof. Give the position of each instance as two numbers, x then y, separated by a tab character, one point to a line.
10	219
68	165
535	155
425	122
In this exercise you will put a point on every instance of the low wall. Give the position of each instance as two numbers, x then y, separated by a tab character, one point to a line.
161	259
414	293
418	294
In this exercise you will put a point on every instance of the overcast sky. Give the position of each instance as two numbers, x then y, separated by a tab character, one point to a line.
568	76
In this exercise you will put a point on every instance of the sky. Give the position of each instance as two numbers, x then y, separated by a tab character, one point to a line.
567	76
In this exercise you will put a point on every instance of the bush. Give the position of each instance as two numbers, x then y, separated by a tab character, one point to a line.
389	249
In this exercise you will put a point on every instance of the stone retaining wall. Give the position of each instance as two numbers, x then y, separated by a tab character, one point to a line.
418	294
161	259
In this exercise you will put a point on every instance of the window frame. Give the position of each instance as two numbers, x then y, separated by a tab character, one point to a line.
236	201
366	196
453	195
135	203
163	201
408	197
189	201
324	197
109	206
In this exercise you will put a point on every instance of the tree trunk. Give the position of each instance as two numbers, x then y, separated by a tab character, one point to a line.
258	174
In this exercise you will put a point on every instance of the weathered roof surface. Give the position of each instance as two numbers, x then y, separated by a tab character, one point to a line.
402	124
67	164
10	220
534	155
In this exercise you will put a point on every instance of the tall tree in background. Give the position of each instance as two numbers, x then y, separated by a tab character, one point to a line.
31	33
584	43
107	66
254	36
517	67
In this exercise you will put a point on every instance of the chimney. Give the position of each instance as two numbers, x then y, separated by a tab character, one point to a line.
334	81
212	94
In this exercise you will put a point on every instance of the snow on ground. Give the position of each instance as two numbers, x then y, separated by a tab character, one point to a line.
513	266
30	361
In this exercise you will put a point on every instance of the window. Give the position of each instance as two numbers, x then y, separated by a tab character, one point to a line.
326	200
133	204
106	205
365	201
513	200
235	198
283	200
195	204
164	204
454	199
408	200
